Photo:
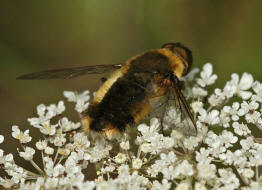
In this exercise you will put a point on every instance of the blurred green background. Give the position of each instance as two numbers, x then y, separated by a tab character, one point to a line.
39	35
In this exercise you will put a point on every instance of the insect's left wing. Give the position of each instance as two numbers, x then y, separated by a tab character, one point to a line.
68	73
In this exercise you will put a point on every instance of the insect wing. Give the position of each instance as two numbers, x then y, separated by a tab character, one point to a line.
68	73
173	112
179	113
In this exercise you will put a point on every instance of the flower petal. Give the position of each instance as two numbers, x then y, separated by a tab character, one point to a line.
246	81
245	95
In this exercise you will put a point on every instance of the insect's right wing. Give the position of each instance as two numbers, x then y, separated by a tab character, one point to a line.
181	112
173	112
68	73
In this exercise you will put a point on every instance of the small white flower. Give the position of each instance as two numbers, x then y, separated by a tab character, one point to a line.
60	139
107	169
249	110
209	118
67	125
51	183
257	87
172	118
28	153
199	92
245	83
231	112
185	169
207	76
225	116
241	87
123	169
81	106
1	154
206	171
230	89
227	138
228	178
80	99
74	97
217	98
49	150
81	141
1	139
23	137
143	128
234	111
168	142
46	113
177	135
203	156
58	170
196	106
137	163
247	143
191	142
164	186
254	117
9	158
54	110
254	185
125	145
215	143
146	147
248	173
48	129
7	183
248	107
182	186
200	186
120	158
41	145
41	109
241	129
63	151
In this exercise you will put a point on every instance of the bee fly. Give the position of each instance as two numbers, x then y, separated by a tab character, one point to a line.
126	96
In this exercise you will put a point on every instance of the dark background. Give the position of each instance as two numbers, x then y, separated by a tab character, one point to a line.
40	35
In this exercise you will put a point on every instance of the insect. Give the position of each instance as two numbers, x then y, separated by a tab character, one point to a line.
133	89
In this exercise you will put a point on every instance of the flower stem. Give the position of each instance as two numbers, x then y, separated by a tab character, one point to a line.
242	178
56	155
42	154
256	173
37	167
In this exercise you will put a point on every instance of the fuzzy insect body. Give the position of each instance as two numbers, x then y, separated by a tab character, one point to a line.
126	96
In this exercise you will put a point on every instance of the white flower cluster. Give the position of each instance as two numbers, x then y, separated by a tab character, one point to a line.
225	154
